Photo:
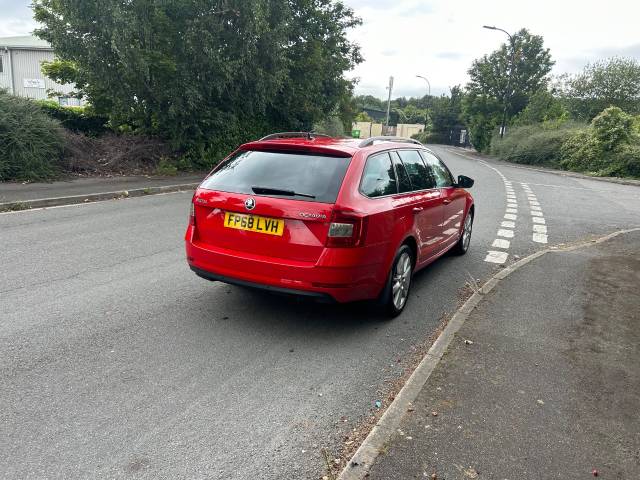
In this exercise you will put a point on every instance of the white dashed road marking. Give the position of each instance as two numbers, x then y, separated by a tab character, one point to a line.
496	257
501	243
537	217
507	226
540	238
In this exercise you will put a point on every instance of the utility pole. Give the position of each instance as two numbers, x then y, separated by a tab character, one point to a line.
511	67
390	87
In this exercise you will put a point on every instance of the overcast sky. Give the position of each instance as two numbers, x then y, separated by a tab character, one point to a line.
439	38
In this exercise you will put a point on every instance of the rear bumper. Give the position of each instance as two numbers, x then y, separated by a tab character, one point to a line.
344	283
270	288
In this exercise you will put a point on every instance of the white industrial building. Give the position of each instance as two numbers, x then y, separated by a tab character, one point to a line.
21	70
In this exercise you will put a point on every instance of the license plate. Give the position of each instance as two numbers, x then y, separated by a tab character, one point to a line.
254	223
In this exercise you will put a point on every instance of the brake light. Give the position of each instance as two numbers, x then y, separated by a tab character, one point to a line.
346	230
192	214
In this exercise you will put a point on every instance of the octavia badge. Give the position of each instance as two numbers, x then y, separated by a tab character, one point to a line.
250	204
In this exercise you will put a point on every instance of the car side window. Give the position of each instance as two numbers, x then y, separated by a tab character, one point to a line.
421	176
378	178
404	184
441	173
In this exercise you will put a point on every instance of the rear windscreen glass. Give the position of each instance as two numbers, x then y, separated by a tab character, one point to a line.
313	178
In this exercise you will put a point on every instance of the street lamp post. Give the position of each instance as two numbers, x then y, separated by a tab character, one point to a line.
511	67
428	98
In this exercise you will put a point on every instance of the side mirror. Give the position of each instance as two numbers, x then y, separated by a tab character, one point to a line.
465	182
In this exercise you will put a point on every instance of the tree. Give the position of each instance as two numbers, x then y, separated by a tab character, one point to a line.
446	112
369	101
543	106
205	74
611	82
481	114
490	87
363	117
411	114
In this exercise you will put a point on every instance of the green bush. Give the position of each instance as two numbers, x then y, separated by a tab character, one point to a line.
538	144
166	167
432	137
612	127
584	152
626	162
31	143
331	126
77	119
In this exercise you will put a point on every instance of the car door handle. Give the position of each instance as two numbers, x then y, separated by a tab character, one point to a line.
446	201
417	209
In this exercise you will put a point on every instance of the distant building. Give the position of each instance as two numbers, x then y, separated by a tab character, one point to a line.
21	70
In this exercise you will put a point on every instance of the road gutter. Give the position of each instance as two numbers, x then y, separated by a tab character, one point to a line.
361	462
93	197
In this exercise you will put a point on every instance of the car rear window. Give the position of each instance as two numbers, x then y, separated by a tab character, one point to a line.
314	178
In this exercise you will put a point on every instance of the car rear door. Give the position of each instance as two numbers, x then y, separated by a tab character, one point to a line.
453	199
425	201
269	204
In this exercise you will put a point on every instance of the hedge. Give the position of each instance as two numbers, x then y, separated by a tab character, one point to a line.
609	146
77	119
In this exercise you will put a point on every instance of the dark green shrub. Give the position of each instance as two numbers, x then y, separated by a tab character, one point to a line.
585	153
31	143
626	162
609	147
612	127
331	126
432	137
582	152
77	119
538	144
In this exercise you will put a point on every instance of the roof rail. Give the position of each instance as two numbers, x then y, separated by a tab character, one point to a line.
370	141
308	135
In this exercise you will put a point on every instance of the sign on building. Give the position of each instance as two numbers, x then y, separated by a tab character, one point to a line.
33	83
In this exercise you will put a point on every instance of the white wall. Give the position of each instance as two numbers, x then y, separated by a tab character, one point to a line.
5	74
406	130
368	129
25	68
29	81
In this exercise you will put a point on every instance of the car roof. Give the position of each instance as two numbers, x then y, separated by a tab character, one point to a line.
313	143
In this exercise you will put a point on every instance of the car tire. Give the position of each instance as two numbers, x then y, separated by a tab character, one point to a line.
395	294
462	246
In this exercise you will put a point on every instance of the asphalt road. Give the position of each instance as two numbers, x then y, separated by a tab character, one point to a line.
117	362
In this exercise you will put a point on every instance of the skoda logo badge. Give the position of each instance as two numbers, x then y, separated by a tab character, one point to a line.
250	204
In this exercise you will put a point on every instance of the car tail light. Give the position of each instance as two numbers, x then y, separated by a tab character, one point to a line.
192	214
346	230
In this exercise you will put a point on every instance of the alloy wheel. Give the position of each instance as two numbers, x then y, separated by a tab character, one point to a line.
466	234
401	280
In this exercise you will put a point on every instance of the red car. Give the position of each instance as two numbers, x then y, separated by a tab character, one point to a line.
334	219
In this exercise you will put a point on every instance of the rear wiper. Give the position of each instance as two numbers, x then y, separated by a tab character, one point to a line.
279	191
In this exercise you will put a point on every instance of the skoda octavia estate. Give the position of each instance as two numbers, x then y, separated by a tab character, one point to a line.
334	219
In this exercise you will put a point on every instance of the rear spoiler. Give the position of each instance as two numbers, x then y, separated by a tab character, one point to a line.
284	146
